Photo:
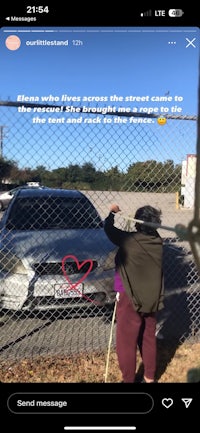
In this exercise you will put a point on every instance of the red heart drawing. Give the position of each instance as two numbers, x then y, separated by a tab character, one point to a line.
79	266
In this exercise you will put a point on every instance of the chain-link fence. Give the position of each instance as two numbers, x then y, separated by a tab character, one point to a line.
49	244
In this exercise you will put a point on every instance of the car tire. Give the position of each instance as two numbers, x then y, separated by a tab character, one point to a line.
1	206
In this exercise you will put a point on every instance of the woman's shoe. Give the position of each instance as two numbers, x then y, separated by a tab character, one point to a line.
144	381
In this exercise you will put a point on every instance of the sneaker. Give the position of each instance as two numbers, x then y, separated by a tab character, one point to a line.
144	381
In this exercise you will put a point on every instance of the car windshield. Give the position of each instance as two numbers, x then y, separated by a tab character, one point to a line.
43	213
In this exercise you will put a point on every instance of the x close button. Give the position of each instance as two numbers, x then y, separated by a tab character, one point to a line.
190	43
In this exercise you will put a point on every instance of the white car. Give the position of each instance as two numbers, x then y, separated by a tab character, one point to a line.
6	197
54	252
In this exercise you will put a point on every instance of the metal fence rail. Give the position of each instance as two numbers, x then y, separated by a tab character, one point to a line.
115	159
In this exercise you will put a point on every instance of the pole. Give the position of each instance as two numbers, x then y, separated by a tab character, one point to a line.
110	340
1	140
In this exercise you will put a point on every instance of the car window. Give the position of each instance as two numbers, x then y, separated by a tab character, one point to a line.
33	213
13	192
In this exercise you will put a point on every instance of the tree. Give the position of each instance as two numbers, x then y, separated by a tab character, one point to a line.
113	176
59	176
154	176
88	172
73	173
5	168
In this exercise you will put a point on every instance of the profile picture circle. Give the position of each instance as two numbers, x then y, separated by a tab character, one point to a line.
13	42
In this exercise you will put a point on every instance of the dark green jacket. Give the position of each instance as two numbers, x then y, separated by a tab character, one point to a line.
139	262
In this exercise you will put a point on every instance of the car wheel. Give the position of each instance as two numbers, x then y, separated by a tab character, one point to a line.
1	206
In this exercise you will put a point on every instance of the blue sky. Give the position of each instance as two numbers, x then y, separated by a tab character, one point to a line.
106	61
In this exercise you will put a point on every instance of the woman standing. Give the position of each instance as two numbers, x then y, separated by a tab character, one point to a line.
140	287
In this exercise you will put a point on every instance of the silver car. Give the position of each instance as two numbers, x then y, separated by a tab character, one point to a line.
54	252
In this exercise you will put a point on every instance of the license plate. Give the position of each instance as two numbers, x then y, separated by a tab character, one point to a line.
62	291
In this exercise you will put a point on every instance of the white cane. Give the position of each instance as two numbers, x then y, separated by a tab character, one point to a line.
111	334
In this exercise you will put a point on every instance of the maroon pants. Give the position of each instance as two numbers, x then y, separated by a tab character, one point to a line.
134	330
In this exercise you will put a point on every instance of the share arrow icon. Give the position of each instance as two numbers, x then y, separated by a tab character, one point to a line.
187	401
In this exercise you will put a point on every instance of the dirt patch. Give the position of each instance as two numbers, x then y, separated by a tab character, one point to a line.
174	362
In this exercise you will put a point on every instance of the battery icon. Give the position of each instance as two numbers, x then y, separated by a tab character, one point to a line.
175	13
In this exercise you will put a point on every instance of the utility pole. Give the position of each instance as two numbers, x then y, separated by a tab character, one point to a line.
1	139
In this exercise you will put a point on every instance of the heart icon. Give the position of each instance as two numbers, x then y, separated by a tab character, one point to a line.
79	266
167	402
73	286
